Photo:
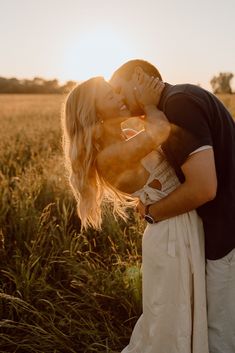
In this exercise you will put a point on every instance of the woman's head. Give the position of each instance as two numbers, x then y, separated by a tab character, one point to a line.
109	104
90	103
87	106
80	107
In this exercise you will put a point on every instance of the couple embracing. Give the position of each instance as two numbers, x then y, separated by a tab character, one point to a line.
181	169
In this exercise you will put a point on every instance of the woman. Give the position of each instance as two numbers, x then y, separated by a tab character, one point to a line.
105	165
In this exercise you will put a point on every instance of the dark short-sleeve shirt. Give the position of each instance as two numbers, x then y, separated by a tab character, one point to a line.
199	118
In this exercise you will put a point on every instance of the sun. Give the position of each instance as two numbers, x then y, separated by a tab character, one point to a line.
96	53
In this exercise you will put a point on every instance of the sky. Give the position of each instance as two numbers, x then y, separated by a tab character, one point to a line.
187	40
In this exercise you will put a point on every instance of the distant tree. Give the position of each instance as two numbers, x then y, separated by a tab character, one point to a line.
68	86
36	85
38	81
221	83
9	85
51	86
2	84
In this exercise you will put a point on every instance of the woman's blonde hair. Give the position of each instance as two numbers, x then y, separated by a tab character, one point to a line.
79	125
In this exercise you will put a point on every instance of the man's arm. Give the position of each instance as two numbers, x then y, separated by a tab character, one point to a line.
200	186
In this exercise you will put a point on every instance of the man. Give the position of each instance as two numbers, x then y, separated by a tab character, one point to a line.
201	148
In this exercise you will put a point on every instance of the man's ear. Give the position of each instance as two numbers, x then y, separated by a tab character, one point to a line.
138	74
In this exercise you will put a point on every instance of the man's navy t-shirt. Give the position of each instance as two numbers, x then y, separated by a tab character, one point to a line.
198	118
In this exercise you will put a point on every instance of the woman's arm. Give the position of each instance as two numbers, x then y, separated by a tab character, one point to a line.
157	128
119	157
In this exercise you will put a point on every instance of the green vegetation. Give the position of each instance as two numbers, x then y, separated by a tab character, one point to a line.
37	85
60	290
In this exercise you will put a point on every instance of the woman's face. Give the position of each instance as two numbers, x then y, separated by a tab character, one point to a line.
109	104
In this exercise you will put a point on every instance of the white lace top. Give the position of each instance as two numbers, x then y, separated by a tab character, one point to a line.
159	168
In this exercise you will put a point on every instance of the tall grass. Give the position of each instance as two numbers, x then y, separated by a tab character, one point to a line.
61	290
229	102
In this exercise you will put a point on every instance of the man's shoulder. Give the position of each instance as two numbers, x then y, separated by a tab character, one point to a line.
176	94
185	89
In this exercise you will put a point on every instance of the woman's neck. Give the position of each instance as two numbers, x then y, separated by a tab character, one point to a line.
112	132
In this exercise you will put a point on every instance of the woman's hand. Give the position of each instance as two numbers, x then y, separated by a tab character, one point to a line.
149	92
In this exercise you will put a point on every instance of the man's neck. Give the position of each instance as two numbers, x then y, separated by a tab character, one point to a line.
163	95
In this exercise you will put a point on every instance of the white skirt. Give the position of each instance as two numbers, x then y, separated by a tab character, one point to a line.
174	318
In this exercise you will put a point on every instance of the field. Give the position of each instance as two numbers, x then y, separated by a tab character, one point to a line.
229	102
61	290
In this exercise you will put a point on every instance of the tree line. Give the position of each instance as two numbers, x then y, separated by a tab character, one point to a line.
36	85
220	84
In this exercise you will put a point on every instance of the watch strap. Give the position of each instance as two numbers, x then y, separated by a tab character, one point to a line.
148	217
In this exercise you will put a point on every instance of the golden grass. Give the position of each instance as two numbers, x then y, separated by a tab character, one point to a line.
229	102
60	290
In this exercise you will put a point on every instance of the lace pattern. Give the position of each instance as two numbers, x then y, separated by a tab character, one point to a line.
159	168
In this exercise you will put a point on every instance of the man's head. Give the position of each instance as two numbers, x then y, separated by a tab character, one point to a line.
127	76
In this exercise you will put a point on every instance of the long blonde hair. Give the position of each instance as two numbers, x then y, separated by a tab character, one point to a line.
79	126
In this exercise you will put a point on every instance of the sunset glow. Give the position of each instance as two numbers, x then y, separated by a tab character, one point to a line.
98	52
76	39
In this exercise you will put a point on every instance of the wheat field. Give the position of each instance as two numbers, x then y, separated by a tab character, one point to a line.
61	290
229	102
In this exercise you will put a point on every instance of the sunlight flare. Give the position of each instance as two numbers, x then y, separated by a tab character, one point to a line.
98	52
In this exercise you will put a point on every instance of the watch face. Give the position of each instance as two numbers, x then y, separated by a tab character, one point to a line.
149	219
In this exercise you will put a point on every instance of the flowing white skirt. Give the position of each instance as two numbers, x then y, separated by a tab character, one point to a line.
174	318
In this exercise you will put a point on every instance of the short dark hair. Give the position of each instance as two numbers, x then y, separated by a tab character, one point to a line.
126	70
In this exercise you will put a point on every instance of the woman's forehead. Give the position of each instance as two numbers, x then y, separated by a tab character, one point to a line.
106	88
103	93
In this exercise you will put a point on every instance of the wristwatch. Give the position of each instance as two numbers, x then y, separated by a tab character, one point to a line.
148	217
